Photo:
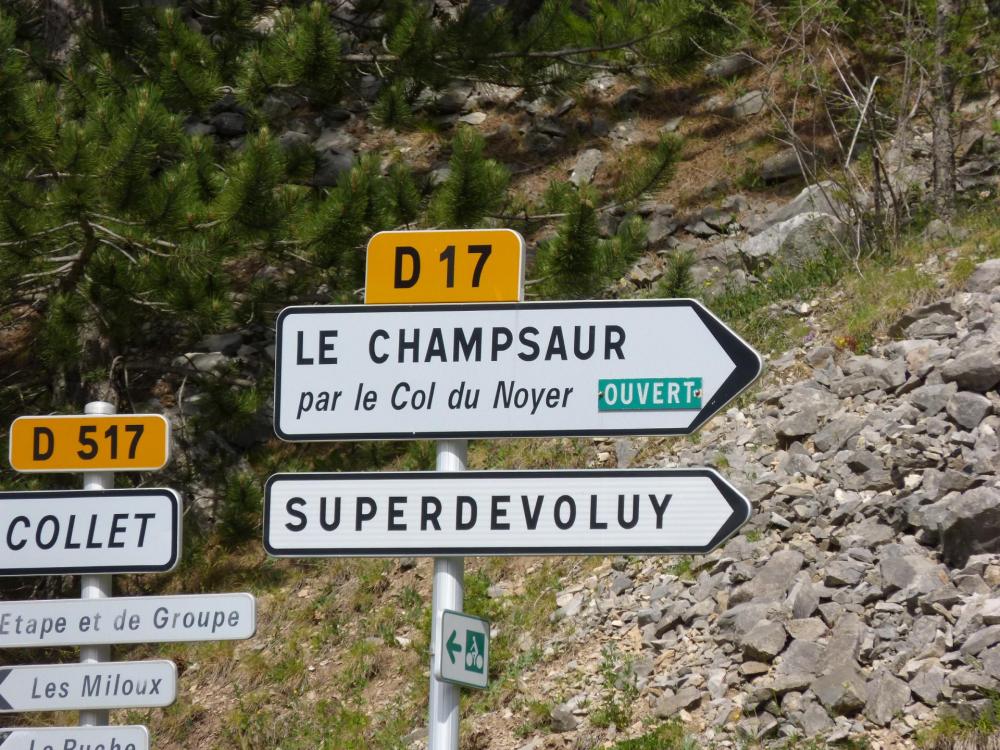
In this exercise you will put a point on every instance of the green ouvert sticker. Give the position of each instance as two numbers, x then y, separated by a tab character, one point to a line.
648	394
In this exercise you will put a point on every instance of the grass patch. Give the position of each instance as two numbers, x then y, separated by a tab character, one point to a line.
751	310
951	733
669	736
620	691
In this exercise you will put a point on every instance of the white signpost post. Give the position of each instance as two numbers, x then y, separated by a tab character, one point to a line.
147	619
70	687
584	512
75	738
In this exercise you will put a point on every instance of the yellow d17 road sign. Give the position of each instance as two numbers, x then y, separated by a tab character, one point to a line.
123	442
460	265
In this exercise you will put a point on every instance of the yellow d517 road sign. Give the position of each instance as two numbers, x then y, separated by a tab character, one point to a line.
123	442
450	265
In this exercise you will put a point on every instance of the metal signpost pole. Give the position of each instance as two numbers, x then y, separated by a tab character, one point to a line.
449	574
96	586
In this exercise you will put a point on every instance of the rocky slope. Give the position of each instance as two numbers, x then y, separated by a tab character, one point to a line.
863	598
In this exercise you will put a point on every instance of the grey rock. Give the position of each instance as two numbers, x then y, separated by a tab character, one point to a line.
772	581
802	657
621	583
561	719
229	124
453	99
844	573
985	278
928	684
658	228
798	240
991	662
799	425
933	398
809	629
747	105
781	166
227	343
972	525
473	118
887	697
841	690
203	362
837	432
764	642
585	166
814	720
293	140
802	599
935	326
330	166
978	370
670	705
982	640
335	140
818	198
730	65
672	124
914	574
968	409
701	229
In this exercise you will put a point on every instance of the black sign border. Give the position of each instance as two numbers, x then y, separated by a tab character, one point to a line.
175	520
743	355
739	504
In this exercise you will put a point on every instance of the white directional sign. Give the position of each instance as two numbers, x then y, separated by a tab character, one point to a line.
500	513
72	687
151	619
504	370
463	655
75	738
89	531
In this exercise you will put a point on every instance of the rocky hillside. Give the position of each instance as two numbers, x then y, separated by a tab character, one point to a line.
862	598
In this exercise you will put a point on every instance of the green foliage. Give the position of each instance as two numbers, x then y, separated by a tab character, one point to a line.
950	731
474	188
677	281
670	736
240	509
250	201
303	53
577	263
186	62
644	174
620	691
392	109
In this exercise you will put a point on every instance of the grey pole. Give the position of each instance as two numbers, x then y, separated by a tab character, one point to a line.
96	586
449	574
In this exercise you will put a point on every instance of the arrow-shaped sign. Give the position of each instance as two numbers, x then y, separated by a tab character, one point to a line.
636	367
71	687
412	514
452	647
60	738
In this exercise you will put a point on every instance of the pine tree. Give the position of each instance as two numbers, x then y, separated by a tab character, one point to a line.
475	186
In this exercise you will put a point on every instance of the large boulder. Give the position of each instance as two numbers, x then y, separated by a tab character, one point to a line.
971	526
798	240
985	278
818	198
887	697
841	690
976	370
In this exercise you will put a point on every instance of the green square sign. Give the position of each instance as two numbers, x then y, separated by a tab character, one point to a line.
463	656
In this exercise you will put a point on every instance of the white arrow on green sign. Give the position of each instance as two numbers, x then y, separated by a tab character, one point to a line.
464	654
